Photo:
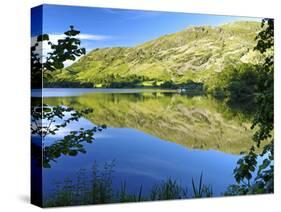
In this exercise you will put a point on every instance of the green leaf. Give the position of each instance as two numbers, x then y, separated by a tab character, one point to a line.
72	152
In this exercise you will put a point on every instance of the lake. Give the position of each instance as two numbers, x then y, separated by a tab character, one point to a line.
150	136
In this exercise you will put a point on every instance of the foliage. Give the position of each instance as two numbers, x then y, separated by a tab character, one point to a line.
69	145
67	48
168	189
246	166
101	183
57	117
97	188
202	190
50	114
116	81
237	80
237	86
66	84
168	84
264	117
263	122
124	196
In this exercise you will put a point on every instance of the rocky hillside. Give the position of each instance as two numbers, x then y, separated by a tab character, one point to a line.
195	53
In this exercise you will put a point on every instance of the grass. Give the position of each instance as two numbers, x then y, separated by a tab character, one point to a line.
169	189
201	190
196	53
98	189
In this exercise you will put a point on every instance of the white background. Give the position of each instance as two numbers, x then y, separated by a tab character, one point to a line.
14	112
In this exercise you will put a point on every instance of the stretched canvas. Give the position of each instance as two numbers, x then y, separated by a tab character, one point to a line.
131	105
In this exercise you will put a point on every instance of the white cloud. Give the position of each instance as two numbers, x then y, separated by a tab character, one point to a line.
43	49
70	62
54	37
93	37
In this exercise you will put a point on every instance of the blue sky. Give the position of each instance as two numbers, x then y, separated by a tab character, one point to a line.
103	27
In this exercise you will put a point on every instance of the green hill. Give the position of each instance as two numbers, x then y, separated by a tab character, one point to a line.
196	53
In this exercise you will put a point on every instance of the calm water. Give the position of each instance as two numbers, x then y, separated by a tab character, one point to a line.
151	135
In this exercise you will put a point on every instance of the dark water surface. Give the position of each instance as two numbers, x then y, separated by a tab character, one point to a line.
151	135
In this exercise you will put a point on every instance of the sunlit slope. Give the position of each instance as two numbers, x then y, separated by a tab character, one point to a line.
197	122
195	53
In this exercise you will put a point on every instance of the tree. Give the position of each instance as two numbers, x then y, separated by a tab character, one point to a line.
67	48
56	119
263	123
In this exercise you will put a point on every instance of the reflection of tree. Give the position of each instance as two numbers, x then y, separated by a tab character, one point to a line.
48	120
65	49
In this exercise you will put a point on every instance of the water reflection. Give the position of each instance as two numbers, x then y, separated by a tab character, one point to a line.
152	136
48	120
196	122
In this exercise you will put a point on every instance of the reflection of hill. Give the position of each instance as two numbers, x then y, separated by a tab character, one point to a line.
192	122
